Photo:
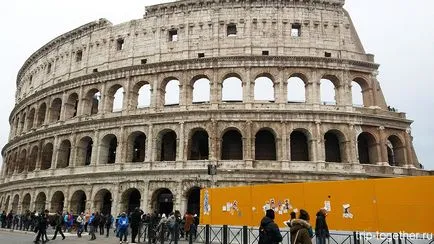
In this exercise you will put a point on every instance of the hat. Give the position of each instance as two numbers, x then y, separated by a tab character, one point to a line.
270	213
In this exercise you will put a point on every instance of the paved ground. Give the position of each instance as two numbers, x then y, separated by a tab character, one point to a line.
22	237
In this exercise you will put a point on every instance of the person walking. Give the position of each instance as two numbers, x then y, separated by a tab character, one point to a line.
189	220
321	228
101	224
136	216
269	232
59	222
80	222
299	229
91	226
123	228
108	223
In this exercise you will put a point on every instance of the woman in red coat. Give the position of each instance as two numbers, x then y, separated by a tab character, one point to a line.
189	220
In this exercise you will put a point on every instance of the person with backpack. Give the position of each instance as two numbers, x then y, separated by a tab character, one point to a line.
59	222
269	232
300	229
123	227
80	222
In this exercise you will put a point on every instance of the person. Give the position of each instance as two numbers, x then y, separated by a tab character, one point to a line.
3	219
41	226
189	220
123	228
135	224
108	223
59	222
90	223
321	228
101	224
299	229
292	216
269	232
80	222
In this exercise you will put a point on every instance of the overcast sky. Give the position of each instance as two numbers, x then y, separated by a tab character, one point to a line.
400	33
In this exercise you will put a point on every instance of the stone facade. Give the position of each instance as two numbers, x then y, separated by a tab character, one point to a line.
70	148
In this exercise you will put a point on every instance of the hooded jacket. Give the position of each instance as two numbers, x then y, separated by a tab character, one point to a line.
300	230
271	229
321	228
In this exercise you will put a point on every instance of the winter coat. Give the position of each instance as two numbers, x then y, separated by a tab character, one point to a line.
123	223
135	219
300	232
271	229
321	228
189	220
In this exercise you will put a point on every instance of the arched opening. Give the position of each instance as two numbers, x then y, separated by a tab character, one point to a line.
367	148
360	90
26	203
91	102
142	95
130	200
22	124
332	147
78	202
137	147
84	151
6	206
115	98
356	94
47	155
33	158
232	90
265	145
299	146
55	110
162	201
64	154
22	161
264	89
15	203
296	90
71	106
328	92
395	151
31	119
201	90
109	146
17	126
41	199
232	146
193	200
41	115
57	202
167	146
198	146
103	201
171	93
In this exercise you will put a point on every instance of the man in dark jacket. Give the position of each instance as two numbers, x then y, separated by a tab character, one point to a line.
136	216
299	229
269	232
59	221
321	228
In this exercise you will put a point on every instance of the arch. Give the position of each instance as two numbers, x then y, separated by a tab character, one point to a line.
201	90
264	88
22	160
26	203
91	102
17	125
109	144
57	202
193	200
64	154
47	156
22	123
136	147
31	119
130	200
296	89
198	145
103	201
332	146
328	92
115	98
6	205
367	148
15	203
167	145
33	158
40	202
78	202
299	146
71	106
395	151
232	145
55	110
162	201
171	92
41	114
360	90
84	151
265	145
232	90
142	94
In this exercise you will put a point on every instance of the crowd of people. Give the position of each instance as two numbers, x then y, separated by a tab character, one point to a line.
155	227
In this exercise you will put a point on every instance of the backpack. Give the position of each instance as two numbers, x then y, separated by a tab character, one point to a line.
264	237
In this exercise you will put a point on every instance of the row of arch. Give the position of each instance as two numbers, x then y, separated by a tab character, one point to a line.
162	201
198	148
117	98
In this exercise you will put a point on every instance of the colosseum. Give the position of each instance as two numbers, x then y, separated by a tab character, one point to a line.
198	93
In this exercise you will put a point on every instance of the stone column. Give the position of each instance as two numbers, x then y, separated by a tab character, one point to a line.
352	144
313	95
410	162
121	147
180	144
281	93
383	147
150	144
248	89
102	103
215	94
248	146
116	196
145	196
319	152
39	157
64	107
56	150
95	149
155	94
127	94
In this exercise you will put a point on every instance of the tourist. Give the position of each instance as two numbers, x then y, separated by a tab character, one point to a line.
189	220
300	229
91	225
321	228
269	232
80	222
123	228
58	225
108	223
135	224
101	224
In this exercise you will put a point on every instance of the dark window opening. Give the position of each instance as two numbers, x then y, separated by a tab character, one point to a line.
31	79
295	30
299	147
332	148
95	71
265	53
49	68
232	30
173	35
265	146
79	56
232	146
328	55
168	147
139	148
88	153
120	44
112	151
201	55
144	61
199	146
